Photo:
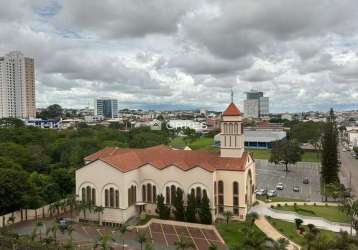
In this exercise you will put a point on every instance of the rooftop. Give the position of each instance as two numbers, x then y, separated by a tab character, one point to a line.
231	110
160	157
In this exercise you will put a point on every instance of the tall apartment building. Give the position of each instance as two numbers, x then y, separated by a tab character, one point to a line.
106	107
256	104
17	86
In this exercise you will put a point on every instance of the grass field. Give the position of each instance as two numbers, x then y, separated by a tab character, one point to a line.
289	230
206	143
328	212
232	232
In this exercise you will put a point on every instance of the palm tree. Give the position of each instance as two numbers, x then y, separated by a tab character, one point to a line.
39	225
345	241
57	206
69	232
252	239
100	211
52	209
83	206
104	241
228	215
148	246
252	218
183	243
123	229
54	230
71	201
141	238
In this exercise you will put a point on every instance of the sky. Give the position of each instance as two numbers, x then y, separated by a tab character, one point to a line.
188	54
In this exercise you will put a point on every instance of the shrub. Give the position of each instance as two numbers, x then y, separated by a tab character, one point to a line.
272	206
278	205
286	204
314	204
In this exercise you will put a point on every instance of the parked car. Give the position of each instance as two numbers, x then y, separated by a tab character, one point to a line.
296	188
279	186
63	223
261	191
306	180
272	193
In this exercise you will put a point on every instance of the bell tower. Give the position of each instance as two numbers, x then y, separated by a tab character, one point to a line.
232	132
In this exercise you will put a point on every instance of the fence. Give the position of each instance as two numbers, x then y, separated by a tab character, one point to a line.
29	214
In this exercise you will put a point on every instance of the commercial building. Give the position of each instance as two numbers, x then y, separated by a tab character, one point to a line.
127	181
352	136
256	104
17	86
106	107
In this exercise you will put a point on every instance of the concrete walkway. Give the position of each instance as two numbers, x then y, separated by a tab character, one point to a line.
272	232
264	209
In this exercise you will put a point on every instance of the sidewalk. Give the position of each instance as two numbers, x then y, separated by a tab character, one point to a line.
272	232
265	210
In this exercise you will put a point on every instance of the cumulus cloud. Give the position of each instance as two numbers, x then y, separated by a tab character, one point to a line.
302	54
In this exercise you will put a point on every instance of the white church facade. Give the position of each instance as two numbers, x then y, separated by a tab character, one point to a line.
126	182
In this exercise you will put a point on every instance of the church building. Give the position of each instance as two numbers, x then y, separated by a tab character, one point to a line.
126	181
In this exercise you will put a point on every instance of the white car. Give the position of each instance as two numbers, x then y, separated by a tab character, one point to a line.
279	186
261	191
272	193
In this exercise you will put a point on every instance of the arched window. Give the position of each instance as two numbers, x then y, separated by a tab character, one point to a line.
106	198
236	131
144	193
117	199
111	197
221	196
230	128
83	194
154	194
167	195
235	191
198	193
93	196
88	195
172	194
149	193
225	128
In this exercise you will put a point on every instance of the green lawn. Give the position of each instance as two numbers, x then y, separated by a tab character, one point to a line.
264	154
328	212
289	230
231	233
204	143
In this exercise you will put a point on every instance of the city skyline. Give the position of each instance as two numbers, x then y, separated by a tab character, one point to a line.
302	59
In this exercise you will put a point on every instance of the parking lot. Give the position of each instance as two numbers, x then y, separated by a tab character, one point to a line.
268	175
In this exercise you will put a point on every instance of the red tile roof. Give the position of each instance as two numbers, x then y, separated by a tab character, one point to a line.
231	110
162	156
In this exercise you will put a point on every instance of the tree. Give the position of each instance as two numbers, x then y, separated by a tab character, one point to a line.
141	238
228	215
190	213
12	193
179	211
11	123
123	229
72	203
103	239
183	243
286	152
99	210
162	210
298	223
251	218
205	211
53	111
281	244
329	161
54	230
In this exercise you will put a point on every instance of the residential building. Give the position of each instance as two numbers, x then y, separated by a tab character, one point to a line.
17	86
106	107
126	182
256	104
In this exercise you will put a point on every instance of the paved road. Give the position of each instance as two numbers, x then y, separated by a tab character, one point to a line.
349	171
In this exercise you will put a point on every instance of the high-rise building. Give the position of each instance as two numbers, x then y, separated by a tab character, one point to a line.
17	86
256	105
106	107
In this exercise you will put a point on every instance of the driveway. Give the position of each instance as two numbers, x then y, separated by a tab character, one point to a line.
349	171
